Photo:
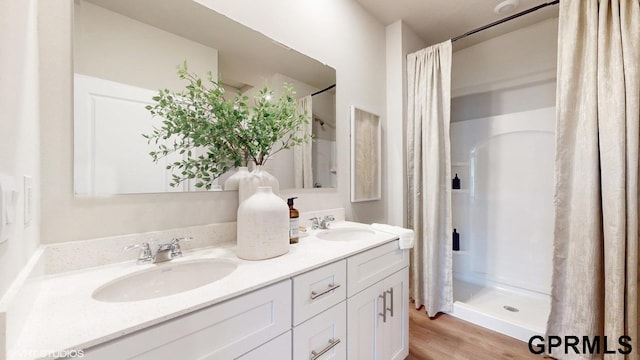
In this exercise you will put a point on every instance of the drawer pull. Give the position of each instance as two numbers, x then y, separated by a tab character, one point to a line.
384	307
332	343
315	295
390	292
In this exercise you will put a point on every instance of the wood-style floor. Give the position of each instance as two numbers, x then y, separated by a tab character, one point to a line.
447	337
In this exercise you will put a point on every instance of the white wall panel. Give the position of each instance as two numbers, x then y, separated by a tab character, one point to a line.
505	212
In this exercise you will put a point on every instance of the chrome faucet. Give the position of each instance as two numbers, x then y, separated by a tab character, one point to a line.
317	223
165	252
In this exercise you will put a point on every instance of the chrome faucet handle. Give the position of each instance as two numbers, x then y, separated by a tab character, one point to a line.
324	224
176	251
145	256
315	223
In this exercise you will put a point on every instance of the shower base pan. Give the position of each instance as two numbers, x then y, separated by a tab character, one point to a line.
520	314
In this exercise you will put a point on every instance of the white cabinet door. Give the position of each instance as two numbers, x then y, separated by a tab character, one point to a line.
363	318
396	329
276	349
378	322
323	336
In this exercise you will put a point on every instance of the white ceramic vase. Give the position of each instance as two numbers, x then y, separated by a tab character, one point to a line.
258	177
233	182
263	226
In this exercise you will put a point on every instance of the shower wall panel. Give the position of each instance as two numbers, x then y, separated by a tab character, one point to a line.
504	210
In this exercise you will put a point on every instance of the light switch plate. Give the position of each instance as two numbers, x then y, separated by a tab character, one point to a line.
8	199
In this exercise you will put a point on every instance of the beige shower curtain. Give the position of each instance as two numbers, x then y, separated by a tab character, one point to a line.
595	278
429	176
302	155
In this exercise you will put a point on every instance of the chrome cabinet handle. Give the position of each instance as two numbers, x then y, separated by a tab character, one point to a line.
315	295
384	307
390	292
332	343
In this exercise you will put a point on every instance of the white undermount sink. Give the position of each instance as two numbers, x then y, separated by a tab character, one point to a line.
164	279
346	234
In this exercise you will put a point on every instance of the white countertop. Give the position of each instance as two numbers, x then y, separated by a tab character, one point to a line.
64	316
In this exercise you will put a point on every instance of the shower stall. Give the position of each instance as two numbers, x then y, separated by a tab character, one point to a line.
503	212
502	136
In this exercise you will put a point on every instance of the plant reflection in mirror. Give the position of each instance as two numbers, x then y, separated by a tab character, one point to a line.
215	135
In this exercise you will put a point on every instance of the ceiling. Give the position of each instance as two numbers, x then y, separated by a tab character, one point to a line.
438	20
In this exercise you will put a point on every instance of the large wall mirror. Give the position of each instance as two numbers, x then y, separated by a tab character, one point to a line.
124	51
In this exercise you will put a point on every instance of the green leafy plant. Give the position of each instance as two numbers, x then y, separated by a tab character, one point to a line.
273	126
214	135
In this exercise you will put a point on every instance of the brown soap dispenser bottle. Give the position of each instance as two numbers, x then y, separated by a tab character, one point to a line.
293	222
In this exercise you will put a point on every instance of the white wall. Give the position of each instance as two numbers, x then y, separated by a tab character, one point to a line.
529	96
336	32
341	34
524	53
510	73
401	41
19	144
114	47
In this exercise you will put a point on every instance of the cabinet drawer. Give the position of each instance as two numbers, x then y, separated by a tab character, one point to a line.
318	290
367	268
278	348
223	331
323	336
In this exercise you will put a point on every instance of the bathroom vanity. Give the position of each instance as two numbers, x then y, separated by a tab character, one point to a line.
331	297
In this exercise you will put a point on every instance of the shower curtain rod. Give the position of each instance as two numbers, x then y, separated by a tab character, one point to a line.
508	18
323	90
